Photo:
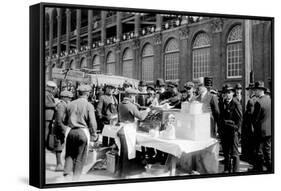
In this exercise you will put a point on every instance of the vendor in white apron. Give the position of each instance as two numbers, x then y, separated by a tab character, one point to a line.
80	116
128	111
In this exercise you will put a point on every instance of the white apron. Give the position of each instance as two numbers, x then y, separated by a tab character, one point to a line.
130	131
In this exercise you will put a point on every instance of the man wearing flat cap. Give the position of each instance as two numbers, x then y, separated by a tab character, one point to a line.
50	106
107	108
60	127
262	128
231	120
80	117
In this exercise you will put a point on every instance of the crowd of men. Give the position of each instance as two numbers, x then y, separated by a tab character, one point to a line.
86	117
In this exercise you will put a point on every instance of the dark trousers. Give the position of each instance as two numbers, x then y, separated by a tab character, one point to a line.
263	154
76	152
230	151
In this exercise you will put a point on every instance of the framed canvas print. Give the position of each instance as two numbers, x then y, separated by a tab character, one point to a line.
130	95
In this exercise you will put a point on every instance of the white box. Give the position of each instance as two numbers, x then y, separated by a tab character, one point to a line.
193	126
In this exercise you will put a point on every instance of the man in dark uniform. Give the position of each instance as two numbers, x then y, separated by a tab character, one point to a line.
80	116
262	128
50	106
60	128
107	109
210	105
231	120
247	131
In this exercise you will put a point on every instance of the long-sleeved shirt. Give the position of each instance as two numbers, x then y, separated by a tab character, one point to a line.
103	105
128	111
81	113
60	126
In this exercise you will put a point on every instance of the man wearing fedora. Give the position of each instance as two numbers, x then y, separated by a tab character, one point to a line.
231	120
262	128
80	117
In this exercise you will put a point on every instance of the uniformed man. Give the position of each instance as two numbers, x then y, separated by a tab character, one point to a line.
107	109
210	105
262	128
231	120
142	95
60	127
128	111
50	106
80	116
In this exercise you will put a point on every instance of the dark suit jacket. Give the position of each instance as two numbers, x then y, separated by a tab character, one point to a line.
262	116
231	117
50	106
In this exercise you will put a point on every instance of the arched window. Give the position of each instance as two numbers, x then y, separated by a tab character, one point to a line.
172	60
110	63
72	65
147	63
83	63
201	56
127	69
234	53
96	63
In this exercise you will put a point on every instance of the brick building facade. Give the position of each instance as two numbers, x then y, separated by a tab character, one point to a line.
149	46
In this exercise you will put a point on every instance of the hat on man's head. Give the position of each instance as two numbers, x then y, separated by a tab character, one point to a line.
51	84
238	86
259	85
199	81
213	91
251	85
160	82
84	88
227	88
66	93
142	83
189	85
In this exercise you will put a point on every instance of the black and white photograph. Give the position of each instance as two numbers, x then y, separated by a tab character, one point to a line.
134	94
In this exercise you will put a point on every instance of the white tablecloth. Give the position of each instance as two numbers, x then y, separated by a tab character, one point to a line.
175	147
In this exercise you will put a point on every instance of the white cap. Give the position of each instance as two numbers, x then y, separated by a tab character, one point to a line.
51	84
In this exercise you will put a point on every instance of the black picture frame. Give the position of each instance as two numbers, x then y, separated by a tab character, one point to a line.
37	176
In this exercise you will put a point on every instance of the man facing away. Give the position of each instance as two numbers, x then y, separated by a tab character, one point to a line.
80	116
262	128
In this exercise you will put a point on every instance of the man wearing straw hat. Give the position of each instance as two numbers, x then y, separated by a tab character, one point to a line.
262	128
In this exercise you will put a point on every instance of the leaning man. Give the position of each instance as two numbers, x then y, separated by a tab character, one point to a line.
80	116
